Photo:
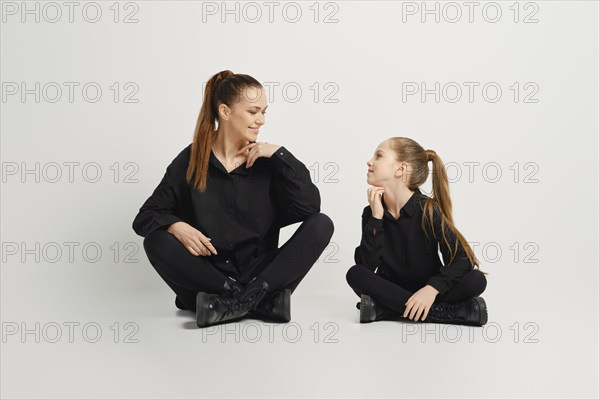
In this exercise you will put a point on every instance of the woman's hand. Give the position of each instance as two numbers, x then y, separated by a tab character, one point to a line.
374	194
420	302
258	149
192	239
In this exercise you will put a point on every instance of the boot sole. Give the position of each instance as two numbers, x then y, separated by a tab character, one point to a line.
202	309
286	306
365	308
483	314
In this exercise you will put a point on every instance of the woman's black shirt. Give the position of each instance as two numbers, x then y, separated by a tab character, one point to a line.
242	211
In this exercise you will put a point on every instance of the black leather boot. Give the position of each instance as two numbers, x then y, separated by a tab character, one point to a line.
371	311
231	285
470	312
276	307
214	308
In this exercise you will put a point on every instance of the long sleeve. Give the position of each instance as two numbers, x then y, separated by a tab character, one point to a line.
296	197
452	272
161	208
368	253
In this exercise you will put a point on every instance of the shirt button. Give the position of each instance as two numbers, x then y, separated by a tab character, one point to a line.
231	224
227	261
231	246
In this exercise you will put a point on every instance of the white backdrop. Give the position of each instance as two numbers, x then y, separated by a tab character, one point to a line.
98	98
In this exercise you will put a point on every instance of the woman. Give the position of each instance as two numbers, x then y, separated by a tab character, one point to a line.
401	231
211	227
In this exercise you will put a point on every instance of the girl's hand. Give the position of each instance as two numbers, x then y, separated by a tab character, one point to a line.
420	302
192	239
258	149
374	194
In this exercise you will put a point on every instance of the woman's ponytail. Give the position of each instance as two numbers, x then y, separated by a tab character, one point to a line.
223	87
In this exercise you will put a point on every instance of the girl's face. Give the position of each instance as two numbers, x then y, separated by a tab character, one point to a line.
247	115
383	167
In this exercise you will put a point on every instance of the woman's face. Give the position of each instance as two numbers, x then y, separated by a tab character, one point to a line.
247	115
382	167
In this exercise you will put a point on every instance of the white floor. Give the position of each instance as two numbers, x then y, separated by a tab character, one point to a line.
128	340
323	353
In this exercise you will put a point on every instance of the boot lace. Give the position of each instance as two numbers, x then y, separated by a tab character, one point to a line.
445	311
235	304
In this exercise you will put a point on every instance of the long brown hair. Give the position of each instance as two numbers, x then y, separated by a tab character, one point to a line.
411	152
224	87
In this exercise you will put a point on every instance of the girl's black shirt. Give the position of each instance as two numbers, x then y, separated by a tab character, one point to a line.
242	211
401	251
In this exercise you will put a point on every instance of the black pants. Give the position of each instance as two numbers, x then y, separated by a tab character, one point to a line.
364	281
187	274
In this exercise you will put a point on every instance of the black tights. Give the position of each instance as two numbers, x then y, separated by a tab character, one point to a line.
187	274
364	281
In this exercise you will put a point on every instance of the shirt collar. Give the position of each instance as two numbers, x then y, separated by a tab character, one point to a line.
410	208
242	170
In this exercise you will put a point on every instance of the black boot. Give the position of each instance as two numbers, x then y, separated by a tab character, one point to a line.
231	285
213	308
275	307
470	312
371	311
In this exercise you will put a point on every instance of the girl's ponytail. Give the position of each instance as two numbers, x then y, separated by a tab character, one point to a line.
410	151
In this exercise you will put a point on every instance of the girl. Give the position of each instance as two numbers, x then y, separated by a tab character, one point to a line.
211	227
401	231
